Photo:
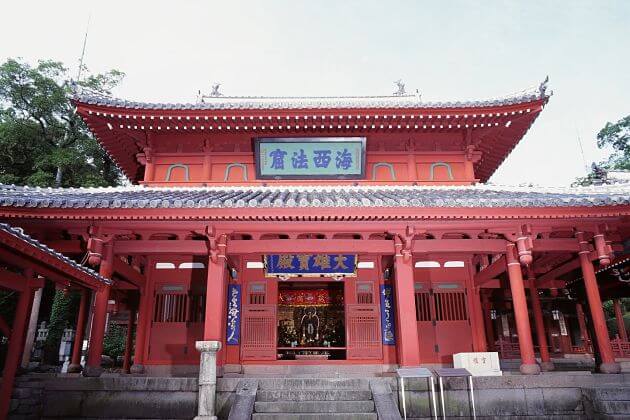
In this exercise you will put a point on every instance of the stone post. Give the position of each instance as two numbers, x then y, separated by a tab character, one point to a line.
207	379
32	328
621	326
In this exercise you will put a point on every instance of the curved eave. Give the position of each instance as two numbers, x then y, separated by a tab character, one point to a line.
321	213
119	129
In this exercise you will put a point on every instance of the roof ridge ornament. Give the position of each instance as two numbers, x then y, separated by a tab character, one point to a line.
400	88
542	88
214	93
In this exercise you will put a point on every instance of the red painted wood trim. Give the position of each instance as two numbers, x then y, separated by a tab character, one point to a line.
321	213
12	281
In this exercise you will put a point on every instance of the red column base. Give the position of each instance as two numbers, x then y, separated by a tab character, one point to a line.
610	367
72	368
92	371
136	369
530	369
547	366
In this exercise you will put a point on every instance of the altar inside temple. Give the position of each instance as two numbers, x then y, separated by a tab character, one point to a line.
311	324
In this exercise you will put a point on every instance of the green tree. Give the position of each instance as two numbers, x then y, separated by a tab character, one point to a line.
43	142
617	136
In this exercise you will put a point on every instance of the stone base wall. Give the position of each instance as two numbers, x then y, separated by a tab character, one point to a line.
548	396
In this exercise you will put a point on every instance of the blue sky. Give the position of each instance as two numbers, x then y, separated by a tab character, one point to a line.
448	50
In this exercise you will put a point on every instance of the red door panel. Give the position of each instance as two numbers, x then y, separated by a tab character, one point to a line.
452	324
363	324
258	334
426	329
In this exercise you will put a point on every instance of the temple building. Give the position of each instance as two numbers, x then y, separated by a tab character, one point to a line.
303	231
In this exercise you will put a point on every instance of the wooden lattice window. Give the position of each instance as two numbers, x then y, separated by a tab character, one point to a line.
170	307
256	294
365	293
196	308
423	306
450	306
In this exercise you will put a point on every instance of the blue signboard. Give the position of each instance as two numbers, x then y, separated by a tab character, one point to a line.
234	313
310	264
387	315
310	157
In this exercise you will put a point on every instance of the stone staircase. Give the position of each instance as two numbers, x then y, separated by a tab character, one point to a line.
314	398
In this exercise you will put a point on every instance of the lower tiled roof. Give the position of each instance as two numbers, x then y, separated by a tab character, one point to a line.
18	233
480	196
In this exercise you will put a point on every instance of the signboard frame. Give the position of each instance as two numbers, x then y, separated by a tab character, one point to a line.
260	140
270	272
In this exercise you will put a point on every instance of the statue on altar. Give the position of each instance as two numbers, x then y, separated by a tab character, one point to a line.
309	327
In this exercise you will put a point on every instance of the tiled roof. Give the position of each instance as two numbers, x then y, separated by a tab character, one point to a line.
479	196
18	233
338	102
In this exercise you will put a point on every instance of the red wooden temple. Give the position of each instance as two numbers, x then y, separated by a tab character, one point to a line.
346	230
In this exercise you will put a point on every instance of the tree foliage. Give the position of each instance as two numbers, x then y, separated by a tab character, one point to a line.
114	341
616	136
43	142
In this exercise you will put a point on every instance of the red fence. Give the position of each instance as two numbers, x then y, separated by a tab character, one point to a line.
508	349
620	348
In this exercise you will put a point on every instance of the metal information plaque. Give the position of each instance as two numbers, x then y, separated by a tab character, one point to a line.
310	157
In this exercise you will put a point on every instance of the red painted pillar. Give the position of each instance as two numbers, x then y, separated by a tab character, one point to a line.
75	363
14	352
621	326
582	324
142	326
487	320
95	350
597	311
481	343
545	360
407	343
216	299
129	341
521	317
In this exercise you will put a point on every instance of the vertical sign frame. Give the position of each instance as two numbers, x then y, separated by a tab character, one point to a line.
387	315
233	328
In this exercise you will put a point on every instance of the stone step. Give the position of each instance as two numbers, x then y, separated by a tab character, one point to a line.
614	407
313	395
314	407
314	416
314	383
608	393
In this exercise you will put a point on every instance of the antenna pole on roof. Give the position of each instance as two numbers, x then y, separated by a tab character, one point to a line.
87	27
579	140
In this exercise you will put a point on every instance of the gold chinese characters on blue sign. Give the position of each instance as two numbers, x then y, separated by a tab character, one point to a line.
310	157
310	264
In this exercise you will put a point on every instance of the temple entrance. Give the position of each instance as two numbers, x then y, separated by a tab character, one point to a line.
311	321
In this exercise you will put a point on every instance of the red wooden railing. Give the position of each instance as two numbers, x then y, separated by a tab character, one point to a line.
508	349
620	348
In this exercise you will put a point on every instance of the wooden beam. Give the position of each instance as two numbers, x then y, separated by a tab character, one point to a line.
491	272
12	281
51	268
476	246
129	273
160	247
67	247
556	245
306	246
561	270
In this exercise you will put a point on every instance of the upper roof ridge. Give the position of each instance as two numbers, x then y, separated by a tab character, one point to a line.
312	102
